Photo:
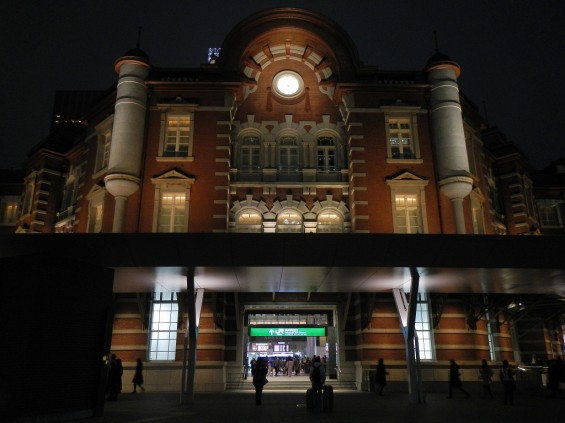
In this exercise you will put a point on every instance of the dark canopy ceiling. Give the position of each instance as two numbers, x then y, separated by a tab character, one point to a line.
312	262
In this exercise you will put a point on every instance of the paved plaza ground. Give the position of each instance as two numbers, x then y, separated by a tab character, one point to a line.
350	407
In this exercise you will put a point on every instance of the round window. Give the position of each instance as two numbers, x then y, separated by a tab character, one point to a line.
288	84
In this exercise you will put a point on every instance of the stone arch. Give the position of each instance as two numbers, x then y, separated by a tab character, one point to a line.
289	34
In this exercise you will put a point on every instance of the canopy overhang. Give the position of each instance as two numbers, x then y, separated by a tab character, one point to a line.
234	262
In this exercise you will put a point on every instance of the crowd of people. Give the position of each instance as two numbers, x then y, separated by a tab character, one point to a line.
287	366
114	377
262	367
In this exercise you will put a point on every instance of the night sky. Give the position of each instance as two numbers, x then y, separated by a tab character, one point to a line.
512	53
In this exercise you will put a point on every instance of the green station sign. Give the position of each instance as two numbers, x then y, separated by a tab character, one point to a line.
298	331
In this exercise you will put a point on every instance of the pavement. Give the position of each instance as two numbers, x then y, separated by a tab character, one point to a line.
535	405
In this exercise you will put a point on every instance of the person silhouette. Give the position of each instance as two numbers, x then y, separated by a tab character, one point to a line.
486	374
259	372
138	376
455	379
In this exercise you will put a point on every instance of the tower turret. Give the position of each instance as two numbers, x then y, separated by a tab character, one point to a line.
448	134
124	165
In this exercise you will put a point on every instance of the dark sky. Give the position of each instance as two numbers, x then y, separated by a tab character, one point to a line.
512	53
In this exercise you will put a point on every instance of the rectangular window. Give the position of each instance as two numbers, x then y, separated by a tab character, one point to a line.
478	220
95	218
288	154
172	214
164	323
9	212
491	343
424	328
326	154
251	154
400	139
549	213
177	137
103	154
28	198
407	210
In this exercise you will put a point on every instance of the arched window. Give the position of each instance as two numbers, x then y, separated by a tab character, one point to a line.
249	220
327	161
250	153
289	220
288	154
330	220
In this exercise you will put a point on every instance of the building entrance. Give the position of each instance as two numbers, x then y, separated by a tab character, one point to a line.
297	335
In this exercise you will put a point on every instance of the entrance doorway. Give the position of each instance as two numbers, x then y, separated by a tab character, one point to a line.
284	334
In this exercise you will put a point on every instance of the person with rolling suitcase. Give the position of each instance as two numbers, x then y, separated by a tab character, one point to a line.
314	396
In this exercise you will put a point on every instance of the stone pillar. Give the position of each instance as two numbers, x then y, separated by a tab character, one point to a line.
126	149
448	135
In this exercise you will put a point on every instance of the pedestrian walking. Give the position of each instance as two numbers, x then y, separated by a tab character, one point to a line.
455	379
380	377
138	376
318	379
289	365
508	383
485	374
259	372
115	378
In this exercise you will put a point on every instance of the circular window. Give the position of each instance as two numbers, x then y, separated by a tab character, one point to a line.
288	84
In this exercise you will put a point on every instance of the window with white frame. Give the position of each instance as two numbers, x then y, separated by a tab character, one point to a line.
104	142
401	128
408	203
478	215
164	324
172	212
177	136
529	194
177	132
288	154
408	219
95	210
329	220
29	193
400	139
70	191
327	161
491	333
250	152
424	328
249	220
548	210
289	220
171	201
9	208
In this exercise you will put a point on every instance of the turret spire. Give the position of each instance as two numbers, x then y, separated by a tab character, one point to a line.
139	28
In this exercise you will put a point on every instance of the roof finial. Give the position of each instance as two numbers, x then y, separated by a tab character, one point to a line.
139	28
485	112
435	41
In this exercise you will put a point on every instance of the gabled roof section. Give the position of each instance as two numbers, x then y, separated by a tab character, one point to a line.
405	175
173	174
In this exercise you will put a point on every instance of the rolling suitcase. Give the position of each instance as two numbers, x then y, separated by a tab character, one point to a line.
328	398
310	399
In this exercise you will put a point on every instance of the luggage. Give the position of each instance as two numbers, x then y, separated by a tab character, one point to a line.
310	400
327	398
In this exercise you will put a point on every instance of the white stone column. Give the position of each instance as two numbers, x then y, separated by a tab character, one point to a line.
448	135
126	148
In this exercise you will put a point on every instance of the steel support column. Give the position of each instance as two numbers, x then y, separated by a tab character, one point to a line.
190	338
407	313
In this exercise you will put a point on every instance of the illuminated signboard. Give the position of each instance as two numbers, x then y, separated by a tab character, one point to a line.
301	331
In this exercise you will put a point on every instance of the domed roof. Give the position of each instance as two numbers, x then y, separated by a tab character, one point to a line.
136	52
441	59
135	55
